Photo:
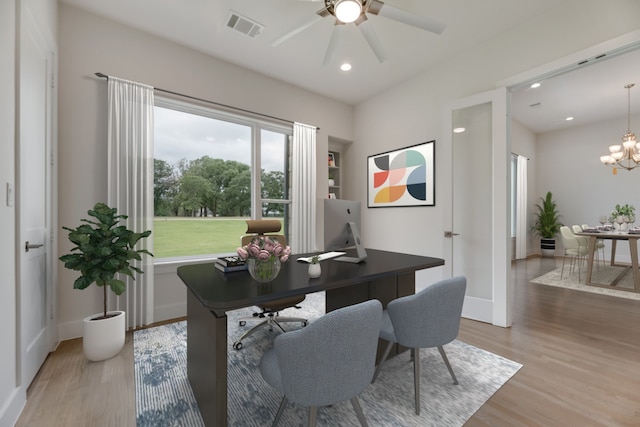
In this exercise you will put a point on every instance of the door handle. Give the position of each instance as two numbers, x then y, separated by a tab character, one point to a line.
450	234
28	246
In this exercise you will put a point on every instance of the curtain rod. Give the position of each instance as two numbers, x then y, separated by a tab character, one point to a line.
105	76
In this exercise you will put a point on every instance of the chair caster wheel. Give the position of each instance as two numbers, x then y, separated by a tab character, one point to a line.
237	345
242	323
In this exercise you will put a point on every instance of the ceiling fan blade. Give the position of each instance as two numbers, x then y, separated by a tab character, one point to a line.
333	42
372	38
322	13
383	9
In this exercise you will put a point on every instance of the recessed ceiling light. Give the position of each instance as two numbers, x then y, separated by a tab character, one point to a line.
345	67
458	130
535	85
569	118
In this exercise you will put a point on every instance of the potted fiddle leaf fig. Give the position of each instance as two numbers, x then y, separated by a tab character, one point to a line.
547	224
104	249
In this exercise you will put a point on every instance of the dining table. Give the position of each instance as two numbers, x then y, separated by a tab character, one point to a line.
614	236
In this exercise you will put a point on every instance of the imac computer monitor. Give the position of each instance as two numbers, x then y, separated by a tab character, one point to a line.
342	228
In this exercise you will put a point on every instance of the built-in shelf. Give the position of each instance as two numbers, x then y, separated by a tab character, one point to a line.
334	174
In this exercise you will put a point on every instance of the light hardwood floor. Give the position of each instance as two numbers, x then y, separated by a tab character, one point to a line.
580	351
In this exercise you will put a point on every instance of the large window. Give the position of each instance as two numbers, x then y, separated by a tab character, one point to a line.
214	170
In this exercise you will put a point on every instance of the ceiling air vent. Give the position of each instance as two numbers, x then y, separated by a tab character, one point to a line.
244	25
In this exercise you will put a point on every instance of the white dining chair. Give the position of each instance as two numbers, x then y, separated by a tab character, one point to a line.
573	249
599	247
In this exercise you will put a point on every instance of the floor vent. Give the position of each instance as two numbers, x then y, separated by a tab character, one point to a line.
244	25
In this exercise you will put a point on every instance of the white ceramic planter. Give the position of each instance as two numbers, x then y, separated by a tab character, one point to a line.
103	339
315	270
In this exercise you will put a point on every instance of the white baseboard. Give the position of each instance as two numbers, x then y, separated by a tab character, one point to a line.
70	330
478	309
12	407
170	311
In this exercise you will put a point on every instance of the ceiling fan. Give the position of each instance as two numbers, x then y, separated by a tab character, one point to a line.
348	11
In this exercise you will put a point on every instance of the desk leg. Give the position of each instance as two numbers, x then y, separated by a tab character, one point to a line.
633	247
591	250
207	361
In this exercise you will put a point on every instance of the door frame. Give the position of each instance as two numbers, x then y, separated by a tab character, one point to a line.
496	310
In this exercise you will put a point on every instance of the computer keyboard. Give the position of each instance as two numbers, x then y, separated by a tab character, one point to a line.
322	257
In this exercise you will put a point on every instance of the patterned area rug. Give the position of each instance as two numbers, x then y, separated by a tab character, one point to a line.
604	275
164	396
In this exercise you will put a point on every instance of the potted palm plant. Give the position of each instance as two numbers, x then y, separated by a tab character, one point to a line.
104	249
547	224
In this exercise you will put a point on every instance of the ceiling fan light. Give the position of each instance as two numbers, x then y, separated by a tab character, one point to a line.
347	11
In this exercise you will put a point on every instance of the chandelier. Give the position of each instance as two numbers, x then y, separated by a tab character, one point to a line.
627	154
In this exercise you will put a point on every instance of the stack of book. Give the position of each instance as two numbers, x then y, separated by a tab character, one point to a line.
230	263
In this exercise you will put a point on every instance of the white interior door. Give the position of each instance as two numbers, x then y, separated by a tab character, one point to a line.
477	213
34	207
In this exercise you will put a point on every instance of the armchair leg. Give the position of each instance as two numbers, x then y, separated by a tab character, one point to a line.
280	411
416	376
313	414
384	357
356	407
446	361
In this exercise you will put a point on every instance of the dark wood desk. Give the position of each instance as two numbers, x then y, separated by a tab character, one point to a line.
383	276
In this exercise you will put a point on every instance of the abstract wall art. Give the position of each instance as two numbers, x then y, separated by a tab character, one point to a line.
404	177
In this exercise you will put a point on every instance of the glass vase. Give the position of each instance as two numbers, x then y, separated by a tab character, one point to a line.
264	271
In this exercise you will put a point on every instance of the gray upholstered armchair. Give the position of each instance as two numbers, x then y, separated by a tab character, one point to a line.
329	361
430	318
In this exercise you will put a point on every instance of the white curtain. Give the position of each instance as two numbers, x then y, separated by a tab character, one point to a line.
130	185
521	208
302	235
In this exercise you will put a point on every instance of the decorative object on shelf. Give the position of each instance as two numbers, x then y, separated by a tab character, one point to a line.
627	154
332	160
404	177
103	249
264	255
314	267
546	224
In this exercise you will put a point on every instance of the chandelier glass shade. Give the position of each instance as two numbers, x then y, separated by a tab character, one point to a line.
627	154
347	11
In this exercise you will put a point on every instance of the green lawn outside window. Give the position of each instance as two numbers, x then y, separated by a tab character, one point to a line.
182	237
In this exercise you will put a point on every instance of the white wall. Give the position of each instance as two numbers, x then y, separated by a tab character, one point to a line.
569	166
90	44
412	112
